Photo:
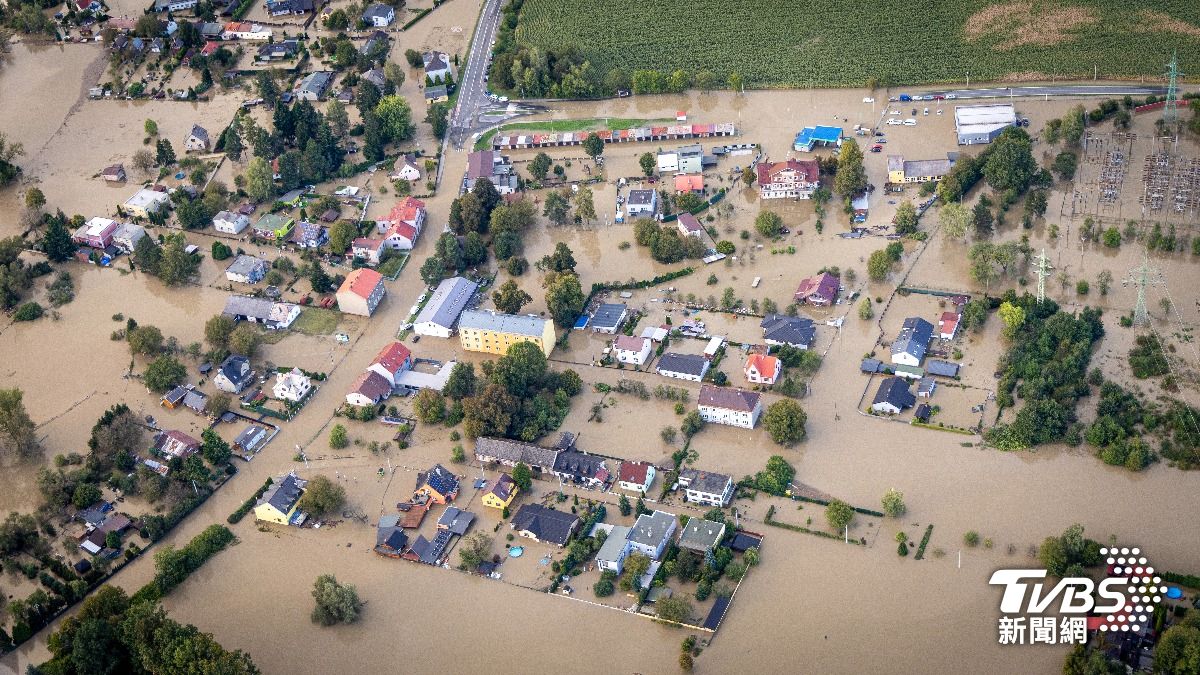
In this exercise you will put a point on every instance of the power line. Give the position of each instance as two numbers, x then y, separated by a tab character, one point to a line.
1171	109
1043	271
1143	276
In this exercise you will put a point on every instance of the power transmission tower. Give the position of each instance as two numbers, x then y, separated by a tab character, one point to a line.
1143	276
1043	272
1171	109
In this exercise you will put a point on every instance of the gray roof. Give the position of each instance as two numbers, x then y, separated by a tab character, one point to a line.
284	494
691	364
545	524
705	481
511	452
651	528
236	369
580	465
377	10
797	331
250	437
728	398
942	368
316	82
894	390
614	544
640	197
871	366
244	265
199	132
281	48
914	338
456	520
244	305
701	534
608	315
427	551
513	324
448	301
926	385
437	91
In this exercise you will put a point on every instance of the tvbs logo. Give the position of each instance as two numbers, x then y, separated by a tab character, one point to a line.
1122	601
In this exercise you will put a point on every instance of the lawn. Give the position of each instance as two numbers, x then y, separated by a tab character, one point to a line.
562	126
392	266
316	321
848	42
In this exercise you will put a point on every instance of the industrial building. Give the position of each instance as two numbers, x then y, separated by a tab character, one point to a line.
982	123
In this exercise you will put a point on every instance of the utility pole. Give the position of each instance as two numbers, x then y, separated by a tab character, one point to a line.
1143	276
1043	272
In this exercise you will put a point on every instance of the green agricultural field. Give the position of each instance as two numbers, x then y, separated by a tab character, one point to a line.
850	42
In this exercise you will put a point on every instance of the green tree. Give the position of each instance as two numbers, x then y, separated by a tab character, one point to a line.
1010	164
462	381
674	608
1111	237
954	219
395	117
164	154
878	265
163	373
321	497
564	299
146	340
557	207
57	241
776	477
175	264
648	163
692	424
785	420
429	406
736	82
259	184
982	218
1072	126
35	199
150	127
341	236
585	207
438	117
218	329
18	433
85	495
509	298
474	550
214	448
1013	317
540	165
851	177
839	514
593	146
338	438
893	503
768	224
1178	652
865	309
338	118
233	143
335	602
245	340
522	476
906	218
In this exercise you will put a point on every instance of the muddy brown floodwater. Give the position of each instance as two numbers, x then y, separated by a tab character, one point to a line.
814	605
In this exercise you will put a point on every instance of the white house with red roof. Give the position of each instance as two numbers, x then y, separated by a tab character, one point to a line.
763	369
370	250
726	405
361	292
391	361
793	179
369	389
633	350
689	225
948	325
635	476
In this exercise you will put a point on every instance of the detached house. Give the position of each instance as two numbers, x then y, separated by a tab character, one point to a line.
763	369
96	233
652	532
278	503
234	374
500	492
361	292
274	226
437	66
636	476
292	386
391	362
146	201
246	269
726	405
174	443
642	203
821	290
704	487
948	325
689	226
632	350
228	222
114	173
402	225
379	15
314	86
701	536
793	179
438	484
543	524
197	140
582	469
615	550
309	235
490	166
406	168
691	367
272	315
793	331
893	396
127	236
912	343
369	389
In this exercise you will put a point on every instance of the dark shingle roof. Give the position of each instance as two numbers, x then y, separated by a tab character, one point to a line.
608	315
580	465
440	479
690	364
545	524
894	390
456	520
797	331
284	494
511	452
942	368
705	481
871	366
728	398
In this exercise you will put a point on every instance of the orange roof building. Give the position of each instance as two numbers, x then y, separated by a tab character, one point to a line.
361	292
763	369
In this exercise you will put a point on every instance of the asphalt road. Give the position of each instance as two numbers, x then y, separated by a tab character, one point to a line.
472	90
1051	90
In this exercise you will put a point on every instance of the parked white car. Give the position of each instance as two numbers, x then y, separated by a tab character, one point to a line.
910	122
893	112
894	122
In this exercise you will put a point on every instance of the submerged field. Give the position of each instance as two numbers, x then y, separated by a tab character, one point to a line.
846	43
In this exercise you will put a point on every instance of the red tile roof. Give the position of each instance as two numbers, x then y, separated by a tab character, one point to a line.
393	357
361	282
406	211
402	229
210	48
766	366
629	343
372	385
809	169
685	182
823	288
367	243
949	322
689	222
633	472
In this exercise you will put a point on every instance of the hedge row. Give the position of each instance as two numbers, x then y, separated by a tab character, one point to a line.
242	510
175	565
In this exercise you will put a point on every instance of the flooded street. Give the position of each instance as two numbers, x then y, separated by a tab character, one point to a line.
814	605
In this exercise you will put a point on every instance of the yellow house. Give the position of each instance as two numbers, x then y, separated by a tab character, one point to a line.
494	333
500	493
917	171
278	504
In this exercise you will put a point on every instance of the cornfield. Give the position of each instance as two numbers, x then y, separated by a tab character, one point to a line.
851	42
